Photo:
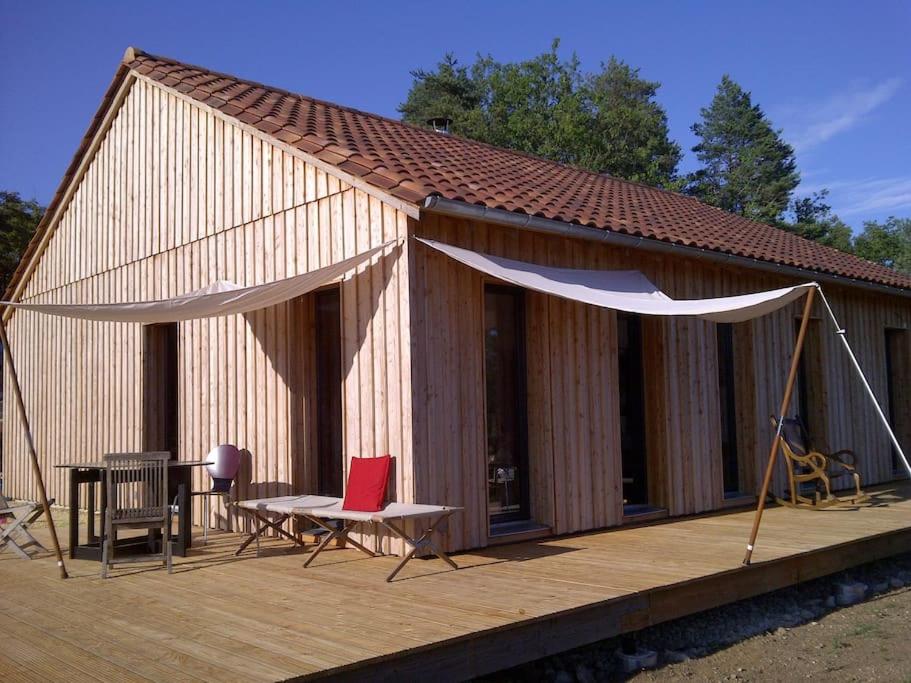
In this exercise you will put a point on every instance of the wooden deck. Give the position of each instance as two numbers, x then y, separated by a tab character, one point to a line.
224	618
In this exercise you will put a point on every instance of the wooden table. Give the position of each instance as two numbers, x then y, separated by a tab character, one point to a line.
88	474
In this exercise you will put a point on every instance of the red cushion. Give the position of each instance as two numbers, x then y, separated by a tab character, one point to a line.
366	488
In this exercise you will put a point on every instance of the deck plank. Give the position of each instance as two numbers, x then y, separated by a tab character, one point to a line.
266	618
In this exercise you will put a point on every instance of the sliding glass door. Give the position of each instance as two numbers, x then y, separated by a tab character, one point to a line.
730	462
330	466
504	370
161	397
811	404
898	384
632	414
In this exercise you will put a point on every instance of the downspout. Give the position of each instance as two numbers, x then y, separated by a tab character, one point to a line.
547	226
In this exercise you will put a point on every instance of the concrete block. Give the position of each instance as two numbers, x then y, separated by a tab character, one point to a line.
641	659
850	593
675	656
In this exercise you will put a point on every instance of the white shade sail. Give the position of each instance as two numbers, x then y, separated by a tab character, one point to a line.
622	290
219	298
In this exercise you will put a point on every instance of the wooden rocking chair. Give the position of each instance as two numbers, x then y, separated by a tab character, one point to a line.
806	465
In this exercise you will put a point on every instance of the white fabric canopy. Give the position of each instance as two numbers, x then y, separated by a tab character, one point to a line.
622	290
219	298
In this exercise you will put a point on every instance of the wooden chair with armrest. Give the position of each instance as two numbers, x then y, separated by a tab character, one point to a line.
137	498
810	471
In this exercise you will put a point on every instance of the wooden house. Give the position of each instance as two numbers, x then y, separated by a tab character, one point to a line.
537	414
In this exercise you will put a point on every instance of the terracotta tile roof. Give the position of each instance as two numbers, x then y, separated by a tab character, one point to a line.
412	163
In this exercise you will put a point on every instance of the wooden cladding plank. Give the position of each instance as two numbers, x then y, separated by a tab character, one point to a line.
573	424
168	173
241	376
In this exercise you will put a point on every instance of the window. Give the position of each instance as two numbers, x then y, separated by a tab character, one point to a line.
160	388
329	442
728	397
504	372
632	414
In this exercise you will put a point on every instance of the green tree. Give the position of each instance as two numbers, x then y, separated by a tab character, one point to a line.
535	106
629	136
813	219
604	122
450	92
747	168
888	243
18	220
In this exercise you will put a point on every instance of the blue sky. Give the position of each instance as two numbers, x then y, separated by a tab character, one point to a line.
836	76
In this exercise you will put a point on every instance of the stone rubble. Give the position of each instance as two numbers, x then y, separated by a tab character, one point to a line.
701	634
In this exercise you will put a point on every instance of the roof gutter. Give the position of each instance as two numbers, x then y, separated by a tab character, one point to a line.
547	226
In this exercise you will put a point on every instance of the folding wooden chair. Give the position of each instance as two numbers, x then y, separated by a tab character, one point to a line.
810	471
14	523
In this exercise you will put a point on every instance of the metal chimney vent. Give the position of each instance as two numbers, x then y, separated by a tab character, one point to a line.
441	124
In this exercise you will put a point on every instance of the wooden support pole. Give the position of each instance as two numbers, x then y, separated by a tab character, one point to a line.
42	493
785	402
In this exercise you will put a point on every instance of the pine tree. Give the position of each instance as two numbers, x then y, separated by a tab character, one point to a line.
450	92
747	168
812	218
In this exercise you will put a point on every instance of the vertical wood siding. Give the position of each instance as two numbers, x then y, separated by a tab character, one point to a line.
174	199
573	425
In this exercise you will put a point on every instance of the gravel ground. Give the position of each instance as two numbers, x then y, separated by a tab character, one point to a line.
792	634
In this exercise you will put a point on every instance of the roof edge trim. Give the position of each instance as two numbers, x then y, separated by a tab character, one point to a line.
459	209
